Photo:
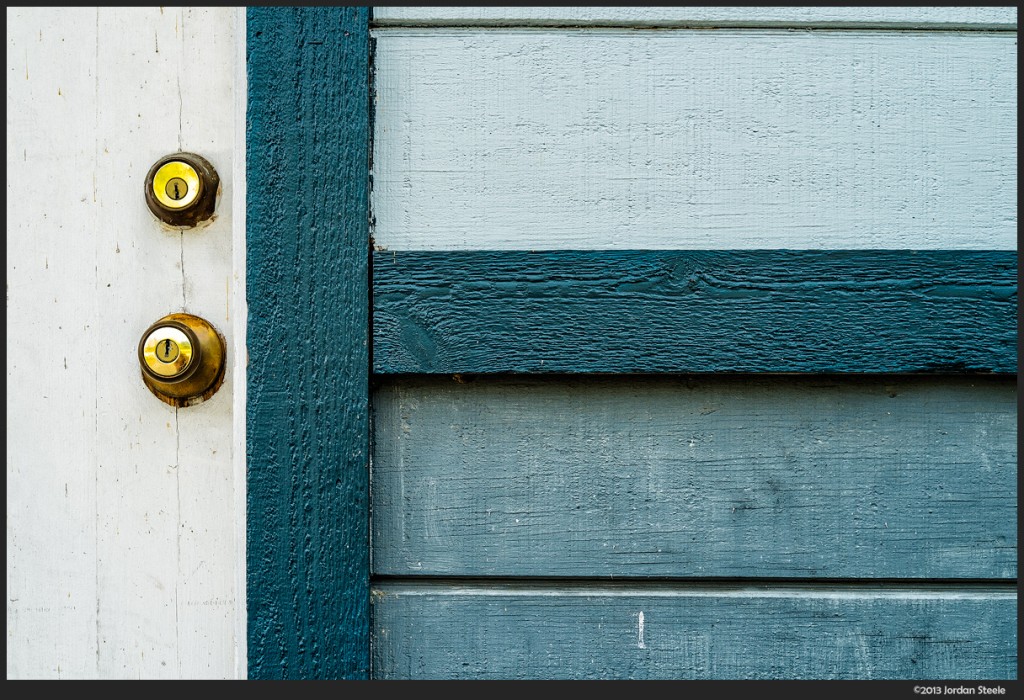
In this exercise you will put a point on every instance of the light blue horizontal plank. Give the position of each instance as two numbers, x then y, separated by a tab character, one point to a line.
694	311
705	476
452	631
960	18
548	139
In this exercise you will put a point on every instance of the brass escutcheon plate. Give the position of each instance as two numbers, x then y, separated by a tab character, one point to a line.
183	359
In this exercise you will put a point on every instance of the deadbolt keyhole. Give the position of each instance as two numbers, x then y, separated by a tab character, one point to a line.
176	189
182	189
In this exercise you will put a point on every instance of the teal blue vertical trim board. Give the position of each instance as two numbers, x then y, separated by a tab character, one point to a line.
307	414
642	311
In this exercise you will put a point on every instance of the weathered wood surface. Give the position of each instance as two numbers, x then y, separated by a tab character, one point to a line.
572	135
594	139
121	519
832	477
694	311
678	632
308	396
964	18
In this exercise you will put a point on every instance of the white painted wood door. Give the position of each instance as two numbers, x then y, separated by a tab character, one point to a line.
125	516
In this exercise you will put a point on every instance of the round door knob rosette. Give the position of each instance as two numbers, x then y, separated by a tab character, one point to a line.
182	359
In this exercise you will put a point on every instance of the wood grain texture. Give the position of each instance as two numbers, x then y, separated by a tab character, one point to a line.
678	632
834	477
694	311
51	484
609	139
803	17
121	515
308	434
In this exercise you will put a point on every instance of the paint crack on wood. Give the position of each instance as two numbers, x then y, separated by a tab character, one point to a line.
181	99
181	258
177	554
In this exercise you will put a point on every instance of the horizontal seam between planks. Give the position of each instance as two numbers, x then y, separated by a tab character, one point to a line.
684	27
641	592
742	587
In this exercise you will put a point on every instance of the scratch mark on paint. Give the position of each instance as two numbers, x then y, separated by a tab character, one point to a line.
177	579
181	241
181	100
97	511
640	631
96	147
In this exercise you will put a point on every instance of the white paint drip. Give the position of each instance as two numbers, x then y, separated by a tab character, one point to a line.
640	631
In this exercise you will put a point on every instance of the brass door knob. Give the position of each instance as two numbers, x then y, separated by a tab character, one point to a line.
181	189
182	358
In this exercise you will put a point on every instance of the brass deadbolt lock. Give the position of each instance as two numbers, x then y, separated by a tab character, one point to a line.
181	189
182	358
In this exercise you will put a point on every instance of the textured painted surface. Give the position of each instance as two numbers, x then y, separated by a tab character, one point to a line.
546	140
308	439
594	139
832	477
856	17
694	311
504	506
121	516
678	632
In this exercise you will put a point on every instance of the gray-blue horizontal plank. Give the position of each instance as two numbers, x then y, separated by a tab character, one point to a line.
447	631
705	476
662	311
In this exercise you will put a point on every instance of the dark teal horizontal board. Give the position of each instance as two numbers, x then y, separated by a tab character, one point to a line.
694	311
494	632
707	476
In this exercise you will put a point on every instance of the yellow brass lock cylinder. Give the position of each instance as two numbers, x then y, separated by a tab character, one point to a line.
181	189
182	358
